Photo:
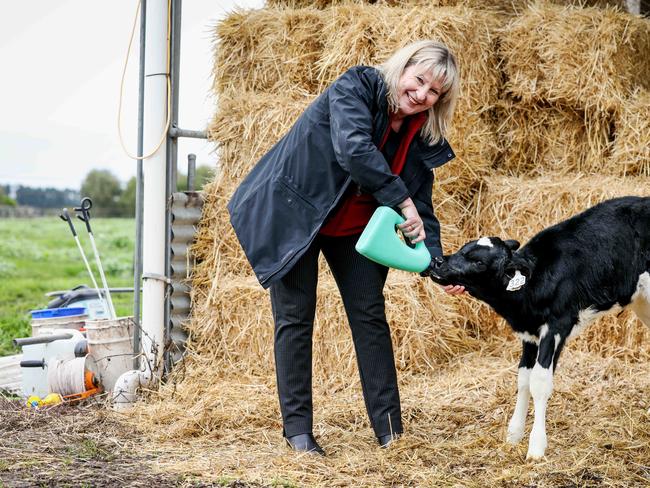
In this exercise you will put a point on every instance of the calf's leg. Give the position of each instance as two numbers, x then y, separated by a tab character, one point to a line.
541	387
641	299
517	423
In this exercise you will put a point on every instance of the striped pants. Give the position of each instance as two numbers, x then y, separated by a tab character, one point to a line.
293	298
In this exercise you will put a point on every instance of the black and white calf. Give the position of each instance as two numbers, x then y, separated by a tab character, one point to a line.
549	290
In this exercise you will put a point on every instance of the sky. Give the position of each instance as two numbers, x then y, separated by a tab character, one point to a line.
59	87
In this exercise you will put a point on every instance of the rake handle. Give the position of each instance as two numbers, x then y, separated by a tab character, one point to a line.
84	208
66	217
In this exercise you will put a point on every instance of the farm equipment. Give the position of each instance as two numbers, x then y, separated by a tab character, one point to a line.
57	361
75	362
84	211
83	296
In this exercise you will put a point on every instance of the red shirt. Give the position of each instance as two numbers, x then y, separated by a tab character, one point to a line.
354	211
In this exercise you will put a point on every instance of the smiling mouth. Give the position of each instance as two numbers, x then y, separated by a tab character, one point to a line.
412	100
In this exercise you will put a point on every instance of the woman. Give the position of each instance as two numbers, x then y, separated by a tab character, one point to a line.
372	138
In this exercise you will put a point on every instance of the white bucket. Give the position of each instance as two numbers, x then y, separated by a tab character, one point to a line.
41	326
110	343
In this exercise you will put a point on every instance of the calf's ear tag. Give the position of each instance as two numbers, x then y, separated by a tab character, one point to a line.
517	281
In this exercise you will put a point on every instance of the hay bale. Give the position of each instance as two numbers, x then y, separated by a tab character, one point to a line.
236	327
631	148
301	51
503	6
541	139
217	250
355	33
246	125
590	59
219	255
268	50
518	208
474	140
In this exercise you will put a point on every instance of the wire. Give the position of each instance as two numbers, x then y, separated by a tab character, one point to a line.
126	62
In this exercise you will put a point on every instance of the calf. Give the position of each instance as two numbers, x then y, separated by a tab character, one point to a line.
549	290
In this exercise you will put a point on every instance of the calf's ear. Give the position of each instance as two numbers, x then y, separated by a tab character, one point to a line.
512	244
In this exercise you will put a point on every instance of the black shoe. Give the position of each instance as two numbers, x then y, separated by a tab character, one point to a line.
304	443
385	440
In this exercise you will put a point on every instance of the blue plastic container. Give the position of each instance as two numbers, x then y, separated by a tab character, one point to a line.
49	313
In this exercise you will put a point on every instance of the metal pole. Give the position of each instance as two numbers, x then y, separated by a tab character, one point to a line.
172	154
154	281
137	258
194	134
191	172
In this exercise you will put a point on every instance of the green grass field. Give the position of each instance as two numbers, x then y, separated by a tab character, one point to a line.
40	255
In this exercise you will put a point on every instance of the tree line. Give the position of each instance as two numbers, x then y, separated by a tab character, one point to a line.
110	197
38	197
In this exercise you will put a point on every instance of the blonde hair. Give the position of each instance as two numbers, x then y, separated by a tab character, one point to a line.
437	58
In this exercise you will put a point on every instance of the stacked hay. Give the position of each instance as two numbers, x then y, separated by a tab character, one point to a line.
585	58
532	150
293	52
568	71
538	139
519	207
554	129
427	330
511	7
631	149
278	74
574	83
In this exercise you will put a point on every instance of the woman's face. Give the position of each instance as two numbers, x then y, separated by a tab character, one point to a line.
417	91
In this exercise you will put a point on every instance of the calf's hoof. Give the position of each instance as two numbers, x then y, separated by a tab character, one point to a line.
514	436
536	451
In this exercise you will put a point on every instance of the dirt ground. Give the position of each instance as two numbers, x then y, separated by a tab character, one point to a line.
455	419
80	446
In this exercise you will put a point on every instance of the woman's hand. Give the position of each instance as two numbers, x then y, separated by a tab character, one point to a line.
412	227
454	289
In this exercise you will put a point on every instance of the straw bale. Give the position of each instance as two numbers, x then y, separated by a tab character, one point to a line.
356	34
631	148
538	139
585	58
301	51
505	6
518	208
219	255
227	427
217	250
237	326
474	140
247	124
268	50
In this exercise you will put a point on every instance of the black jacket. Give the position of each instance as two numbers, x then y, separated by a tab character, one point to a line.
280	206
